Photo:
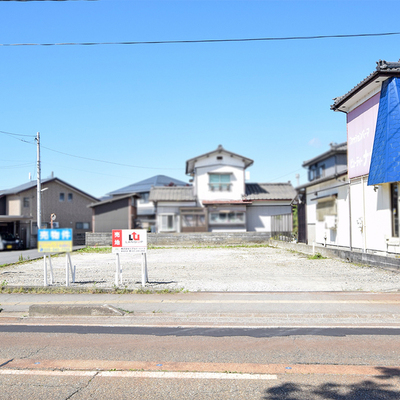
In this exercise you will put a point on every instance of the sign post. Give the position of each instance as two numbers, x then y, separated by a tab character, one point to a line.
129	241
56	241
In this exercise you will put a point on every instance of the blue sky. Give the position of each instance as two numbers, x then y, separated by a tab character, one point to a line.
152	107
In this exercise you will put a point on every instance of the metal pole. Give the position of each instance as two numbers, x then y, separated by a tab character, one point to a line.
39	185
143	272
117	269
45	270
66	270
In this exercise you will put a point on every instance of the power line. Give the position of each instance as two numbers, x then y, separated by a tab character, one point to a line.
262	39
106	162
15	136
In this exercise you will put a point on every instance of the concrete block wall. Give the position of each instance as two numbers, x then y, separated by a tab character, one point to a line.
390	262
188	239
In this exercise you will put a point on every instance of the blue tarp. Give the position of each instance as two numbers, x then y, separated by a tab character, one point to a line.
385	159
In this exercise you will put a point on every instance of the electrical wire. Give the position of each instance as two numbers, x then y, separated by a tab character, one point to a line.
18	165
14	136
261	39
105	161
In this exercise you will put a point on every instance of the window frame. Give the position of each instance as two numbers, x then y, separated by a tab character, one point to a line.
83	224
166	228
219	186
226	220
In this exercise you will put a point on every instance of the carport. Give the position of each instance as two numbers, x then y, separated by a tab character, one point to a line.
18	225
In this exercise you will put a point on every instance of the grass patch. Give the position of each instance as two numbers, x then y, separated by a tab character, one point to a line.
108	249
317	256
91	250
87	290
216	246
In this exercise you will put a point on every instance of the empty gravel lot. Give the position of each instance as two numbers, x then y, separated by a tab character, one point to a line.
211	269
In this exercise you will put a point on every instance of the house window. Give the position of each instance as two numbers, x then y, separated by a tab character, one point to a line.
69	196
326	206
394	189
144	198
26	202
82	225
167	222
62	196
226	218
316	172
220	182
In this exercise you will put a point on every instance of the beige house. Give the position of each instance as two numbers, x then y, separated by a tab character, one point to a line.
18	210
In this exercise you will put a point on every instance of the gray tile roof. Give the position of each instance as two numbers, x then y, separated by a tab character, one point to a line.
269	191
177	193
21	188
335	149
321	180
190	163
109	200
147	184
32	184
383	68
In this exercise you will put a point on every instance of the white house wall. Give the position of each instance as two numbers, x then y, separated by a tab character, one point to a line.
317	231
145	208
371	215
172	208
228	165
258	215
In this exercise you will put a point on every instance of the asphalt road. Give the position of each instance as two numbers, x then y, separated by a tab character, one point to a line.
10	257
85	365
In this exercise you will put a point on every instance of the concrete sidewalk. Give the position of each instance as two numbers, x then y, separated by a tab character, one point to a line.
210	309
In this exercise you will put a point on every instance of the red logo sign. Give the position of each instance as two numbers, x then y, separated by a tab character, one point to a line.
117	238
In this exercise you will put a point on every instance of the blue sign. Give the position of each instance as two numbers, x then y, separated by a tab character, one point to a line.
55	240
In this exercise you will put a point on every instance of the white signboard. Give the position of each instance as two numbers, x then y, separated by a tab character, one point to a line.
361	124
129	241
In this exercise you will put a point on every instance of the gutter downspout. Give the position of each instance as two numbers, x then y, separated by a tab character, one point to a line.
364	224
350	233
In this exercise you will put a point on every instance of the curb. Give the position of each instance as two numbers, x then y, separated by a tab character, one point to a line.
38	310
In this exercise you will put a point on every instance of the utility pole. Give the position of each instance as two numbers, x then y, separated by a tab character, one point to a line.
39	184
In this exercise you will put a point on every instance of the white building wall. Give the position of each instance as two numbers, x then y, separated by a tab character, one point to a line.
228	164
371	216
171	208
258	215
319	231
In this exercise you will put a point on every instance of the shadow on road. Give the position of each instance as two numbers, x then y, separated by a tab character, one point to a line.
366	390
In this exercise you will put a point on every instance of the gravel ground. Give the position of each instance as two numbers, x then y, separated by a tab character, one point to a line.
211	269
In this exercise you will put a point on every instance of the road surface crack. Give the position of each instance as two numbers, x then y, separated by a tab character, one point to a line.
82	387
34	353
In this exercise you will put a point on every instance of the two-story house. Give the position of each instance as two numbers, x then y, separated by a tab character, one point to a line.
372	111
323	204
18	209
145	214
220	199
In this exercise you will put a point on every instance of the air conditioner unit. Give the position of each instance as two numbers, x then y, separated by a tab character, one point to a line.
56	225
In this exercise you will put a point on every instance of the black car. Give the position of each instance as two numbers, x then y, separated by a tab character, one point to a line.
9	242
